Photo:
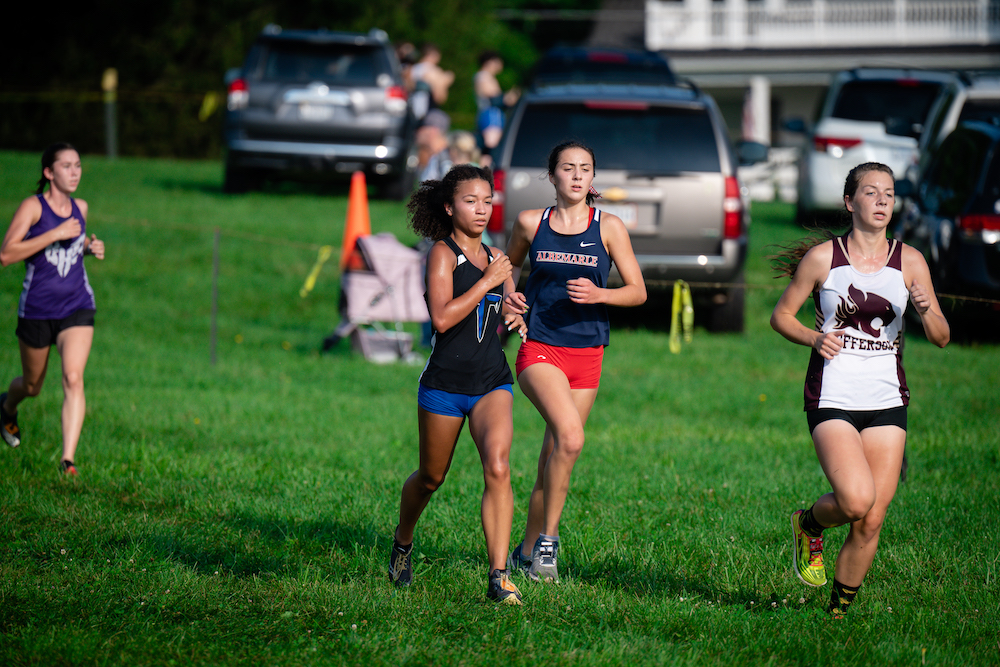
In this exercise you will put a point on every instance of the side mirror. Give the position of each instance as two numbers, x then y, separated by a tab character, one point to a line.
751	152
905	189
794	125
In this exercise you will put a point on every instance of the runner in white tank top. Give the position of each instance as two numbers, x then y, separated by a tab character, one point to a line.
855	391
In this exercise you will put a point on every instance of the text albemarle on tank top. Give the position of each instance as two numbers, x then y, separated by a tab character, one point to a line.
55	280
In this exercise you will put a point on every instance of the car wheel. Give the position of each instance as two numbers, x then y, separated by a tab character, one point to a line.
238	179
727	316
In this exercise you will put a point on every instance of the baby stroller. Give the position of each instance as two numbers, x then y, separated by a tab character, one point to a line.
391	290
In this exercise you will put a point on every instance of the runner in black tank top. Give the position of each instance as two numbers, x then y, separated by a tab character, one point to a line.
467	374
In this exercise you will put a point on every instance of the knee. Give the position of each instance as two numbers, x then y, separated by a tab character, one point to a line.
856	506
870	526
32	389
429	483
497	472
570	443
73	381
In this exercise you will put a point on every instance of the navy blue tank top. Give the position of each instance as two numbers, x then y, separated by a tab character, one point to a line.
556	259
468	358
55	282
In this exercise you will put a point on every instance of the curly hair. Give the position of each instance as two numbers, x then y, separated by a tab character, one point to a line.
566	145
787	261
428	217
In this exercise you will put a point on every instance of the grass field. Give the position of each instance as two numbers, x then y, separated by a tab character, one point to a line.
241	513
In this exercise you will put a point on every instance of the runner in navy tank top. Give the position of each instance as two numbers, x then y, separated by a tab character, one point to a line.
571	247
56	307
467	374
855	393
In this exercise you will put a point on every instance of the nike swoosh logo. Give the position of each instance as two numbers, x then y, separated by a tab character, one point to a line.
586	245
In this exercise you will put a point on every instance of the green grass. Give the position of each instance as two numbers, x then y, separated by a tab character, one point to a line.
241	513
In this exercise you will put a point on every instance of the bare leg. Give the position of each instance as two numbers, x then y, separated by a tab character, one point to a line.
565	412
863	469
884	450
491	424
74	348
438	436
34	363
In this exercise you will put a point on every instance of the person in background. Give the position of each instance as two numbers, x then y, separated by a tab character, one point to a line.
49	233
432	146
855	389
491	102
430	82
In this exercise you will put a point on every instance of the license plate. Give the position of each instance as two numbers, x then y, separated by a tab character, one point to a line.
315	112
629	213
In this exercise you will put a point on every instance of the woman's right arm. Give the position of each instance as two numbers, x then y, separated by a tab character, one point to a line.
447	310
15	248
811	272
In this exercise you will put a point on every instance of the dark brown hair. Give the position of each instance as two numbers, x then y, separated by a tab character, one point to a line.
48	159
566	145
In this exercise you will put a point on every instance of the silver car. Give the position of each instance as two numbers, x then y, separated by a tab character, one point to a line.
665	166
318	101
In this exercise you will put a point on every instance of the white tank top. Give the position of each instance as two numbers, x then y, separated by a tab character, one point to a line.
867	374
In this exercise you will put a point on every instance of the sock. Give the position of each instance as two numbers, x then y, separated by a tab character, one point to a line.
841	597
809	525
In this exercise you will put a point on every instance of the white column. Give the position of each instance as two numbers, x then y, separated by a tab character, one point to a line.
736	23
760	104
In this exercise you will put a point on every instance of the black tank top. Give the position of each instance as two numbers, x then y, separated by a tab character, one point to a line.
468	358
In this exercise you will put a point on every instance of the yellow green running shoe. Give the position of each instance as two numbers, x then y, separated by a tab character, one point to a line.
807	555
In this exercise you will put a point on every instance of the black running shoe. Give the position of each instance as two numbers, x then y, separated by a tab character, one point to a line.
8	425
502	589
69	469
516	562
400	565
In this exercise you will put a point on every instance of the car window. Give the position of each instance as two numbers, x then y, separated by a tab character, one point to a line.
656	140
955	173
989	195
941	114
980	110
901	105
338	64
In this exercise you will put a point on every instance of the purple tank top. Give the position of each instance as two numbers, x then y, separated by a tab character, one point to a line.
55	282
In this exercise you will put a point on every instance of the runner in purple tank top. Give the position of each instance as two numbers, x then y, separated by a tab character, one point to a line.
57	307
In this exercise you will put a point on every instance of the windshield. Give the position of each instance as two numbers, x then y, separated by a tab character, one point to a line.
338	64
902	105
656	140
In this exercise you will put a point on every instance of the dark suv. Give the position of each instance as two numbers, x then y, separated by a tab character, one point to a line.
312	101
665	166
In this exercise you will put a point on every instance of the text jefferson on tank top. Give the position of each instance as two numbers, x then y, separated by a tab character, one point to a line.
55	280
867	373
555	259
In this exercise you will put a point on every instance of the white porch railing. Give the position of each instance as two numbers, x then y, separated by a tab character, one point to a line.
784	24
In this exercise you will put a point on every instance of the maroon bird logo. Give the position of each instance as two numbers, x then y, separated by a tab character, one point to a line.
860	311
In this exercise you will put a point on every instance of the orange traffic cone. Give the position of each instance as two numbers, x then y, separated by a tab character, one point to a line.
358	224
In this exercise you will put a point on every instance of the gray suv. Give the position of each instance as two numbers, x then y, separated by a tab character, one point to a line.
318	101
665	166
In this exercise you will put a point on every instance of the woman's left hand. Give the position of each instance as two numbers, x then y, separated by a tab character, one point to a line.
582	290
515	322
96	247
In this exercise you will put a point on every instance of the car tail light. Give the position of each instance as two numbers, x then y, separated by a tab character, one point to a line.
732	205
607	57
834	145
621	106
971	224
495	225
395	99
238	95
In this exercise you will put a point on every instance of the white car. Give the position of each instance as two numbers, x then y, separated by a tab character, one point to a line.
868	115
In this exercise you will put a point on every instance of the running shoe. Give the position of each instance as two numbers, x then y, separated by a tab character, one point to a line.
502	589
400	564
516	562
8	425
807	555
69	469
544	560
